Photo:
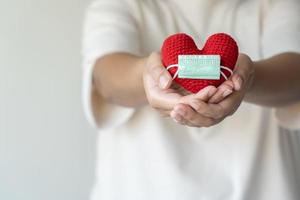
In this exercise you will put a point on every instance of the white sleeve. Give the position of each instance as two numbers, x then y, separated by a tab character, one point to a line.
109	27
281	33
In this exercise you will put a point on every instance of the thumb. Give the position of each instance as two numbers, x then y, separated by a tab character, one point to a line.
203	95
158	72
165	79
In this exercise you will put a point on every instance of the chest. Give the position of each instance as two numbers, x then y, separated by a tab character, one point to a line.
240	18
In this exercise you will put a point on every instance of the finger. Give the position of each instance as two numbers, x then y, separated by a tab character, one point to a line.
191	117
203	95
231	104
241	72
197	102
177	118
224	90
163	99
158	98
224	108
237	81
209	110
158	72
206	93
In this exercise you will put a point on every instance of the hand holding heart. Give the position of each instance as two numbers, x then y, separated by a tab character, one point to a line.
204	108
209	107
180	44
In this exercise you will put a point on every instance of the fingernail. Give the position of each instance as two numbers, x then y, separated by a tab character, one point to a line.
226	93
163	82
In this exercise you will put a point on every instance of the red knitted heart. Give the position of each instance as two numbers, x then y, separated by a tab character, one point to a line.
182	44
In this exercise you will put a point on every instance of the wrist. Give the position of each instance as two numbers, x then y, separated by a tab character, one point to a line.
138	69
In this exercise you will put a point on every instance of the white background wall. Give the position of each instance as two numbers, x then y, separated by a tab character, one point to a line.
46	145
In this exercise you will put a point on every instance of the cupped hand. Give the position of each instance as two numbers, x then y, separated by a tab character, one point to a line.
210	106
161	93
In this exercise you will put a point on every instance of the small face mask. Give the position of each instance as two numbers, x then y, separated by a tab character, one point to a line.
200	67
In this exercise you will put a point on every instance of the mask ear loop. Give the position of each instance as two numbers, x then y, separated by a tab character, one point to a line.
222	73
227	69
172	66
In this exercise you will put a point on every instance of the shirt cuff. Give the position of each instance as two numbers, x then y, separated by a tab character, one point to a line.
99	113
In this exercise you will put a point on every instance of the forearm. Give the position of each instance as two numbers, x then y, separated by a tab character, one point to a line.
118	79
276	81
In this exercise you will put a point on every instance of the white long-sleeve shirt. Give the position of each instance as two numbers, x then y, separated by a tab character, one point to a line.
142	156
